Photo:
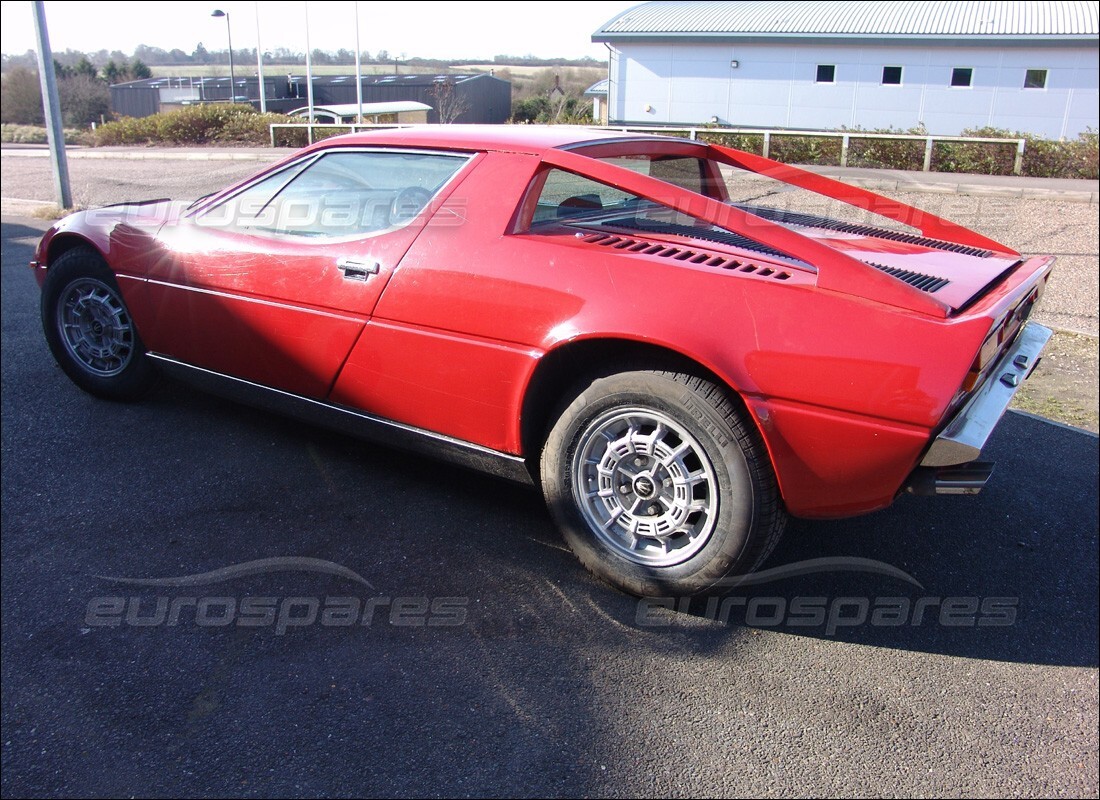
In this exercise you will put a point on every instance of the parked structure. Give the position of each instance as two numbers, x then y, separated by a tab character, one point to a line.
1027	66
470	98
404	112
598	93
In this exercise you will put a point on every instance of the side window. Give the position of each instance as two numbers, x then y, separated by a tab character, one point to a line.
570	201
340	194
569	196
245	205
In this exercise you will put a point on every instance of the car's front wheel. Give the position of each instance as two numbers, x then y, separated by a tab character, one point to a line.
89	329
659	485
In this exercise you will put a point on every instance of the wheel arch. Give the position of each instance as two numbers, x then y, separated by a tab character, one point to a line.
560	374
62	243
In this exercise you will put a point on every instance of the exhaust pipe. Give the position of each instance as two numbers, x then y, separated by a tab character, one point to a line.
961	479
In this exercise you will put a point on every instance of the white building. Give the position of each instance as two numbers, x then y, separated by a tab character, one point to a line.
1026	66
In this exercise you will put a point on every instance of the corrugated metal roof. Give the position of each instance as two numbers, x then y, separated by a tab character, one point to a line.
912	18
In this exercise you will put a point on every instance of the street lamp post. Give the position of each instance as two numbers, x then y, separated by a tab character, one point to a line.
260	62
229	30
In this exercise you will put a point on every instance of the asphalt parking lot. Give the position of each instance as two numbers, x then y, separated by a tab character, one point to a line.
945	646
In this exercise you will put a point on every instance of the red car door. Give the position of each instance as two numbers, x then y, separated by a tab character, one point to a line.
275	284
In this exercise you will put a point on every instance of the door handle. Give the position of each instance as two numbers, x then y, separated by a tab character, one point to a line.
357	270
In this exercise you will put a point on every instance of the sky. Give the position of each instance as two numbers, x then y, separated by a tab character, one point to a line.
427	29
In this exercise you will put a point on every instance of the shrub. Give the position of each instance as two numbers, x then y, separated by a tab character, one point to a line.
805	150
22	134
905	154
1043	158
749	142
128	130
199	124
255	129
34	134
976	158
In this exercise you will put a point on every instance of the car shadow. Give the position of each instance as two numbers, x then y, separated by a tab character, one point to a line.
1009	575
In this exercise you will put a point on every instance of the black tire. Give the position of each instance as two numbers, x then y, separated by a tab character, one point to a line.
660	486
89	329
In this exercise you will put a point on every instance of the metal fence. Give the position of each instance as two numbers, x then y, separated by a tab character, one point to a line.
845	137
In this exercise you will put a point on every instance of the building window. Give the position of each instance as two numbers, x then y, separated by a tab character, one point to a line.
962	76
891	76
1035	79
826	73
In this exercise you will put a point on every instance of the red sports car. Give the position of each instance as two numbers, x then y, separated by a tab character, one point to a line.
677	367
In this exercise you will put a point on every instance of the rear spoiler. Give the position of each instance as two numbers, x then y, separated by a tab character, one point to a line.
837	271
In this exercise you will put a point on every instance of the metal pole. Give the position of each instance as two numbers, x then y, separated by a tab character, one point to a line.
52	108
260	62
358	68
309	76
232	74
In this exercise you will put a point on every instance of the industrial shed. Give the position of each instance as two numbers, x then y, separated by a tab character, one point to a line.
486	98
1027	66
482	98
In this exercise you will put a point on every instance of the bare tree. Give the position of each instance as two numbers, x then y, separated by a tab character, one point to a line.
448	104
22	98
84	100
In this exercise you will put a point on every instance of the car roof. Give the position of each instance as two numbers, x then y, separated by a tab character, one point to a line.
533	139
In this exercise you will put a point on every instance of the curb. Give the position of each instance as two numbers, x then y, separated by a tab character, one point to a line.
18	207
975	190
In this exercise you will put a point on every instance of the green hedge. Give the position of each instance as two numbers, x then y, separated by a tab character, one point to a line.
1043	158
197	125
31	134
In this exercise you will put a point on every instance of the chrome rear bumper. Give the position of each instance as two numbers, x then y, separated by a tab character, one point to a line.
961	441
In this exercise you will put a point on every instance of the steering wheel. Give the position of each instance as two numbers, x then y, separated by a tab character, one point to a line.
408	203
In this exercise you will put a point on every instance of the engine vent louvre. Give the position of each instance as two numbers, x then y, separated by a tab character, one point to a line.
690	256
918	280
656	228
812	221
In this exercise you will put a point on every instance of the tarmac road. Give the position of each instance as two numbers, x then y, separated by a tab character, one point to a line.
483	660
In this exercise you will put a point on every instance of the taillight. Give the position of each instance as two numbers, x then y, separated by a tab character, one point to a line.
1001	336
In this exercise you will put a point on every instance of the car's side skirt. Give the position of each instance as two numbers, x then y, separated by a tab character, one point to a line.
350	421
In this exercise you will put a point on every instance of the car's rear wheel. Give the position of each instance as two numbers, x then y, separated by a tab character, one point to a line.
89	329
659	485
